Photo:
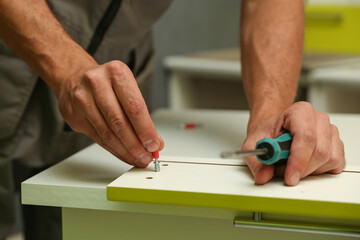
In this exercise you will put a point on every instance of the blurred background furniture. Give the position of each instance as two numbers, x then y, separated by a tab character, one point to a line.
202	70
212	80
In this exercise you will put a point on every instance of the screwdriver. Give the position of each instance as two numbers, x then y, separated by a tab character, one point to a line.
267	150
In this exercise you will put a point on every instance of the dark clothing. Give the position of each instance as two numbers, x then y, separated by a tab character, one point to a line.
32	133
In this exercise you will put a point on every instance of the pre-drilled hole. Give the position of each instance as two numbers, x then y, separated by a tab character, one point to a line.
149	177
165	165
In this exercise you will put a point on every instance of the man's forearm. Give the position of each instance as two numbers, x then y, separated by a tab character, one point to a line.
271	45
32	31
271	53
102	101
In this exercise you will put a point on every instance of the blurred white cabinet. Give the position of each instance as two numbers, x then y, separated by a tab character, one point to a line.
212	80
335	89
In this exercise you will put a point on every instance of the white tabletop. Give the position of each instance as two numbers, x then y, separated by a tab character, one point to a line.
80	181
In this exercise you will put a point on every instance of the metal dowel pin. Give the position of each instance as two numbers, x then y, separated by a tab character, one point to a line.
157	165
156	161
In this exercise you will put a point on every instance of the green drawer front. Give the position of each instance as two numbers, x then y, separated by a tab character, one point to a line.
333	29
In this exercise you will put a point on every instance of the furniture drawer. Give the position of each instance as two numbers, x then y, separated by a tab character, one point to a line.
332	29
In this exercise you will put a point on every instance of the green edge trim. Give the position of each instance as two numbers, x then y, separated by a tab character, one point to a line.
236	202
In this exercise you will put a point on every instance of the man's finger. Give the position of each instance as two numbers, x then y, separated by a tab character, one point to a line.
132	102
261	172
91	133
85	101
323	149
114	116
300	121
337	162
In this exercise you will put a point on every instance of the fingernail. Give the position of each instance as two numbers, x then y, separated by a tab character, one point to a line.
151	145
295	178
143	160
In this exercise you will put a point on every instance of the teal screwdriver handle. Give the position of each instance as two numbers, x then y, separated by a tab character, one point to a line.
277	148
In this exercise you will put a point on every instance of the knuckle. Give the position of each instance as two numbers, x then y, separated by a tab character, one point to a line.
305	105
248	144
324	116
309	137
92	78
322	153
107	136
336	162
338	169
334	129
342	146
135	107
342	166
80	97
116	66
117	124
135	150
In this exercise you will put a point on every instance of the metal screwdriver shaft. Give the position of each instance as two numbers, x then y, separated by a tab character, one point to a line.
239	154
268	150
156	161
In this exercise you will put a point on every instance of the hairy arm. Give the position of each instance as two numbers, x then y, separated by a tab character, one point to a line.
272	33
101	101
32	31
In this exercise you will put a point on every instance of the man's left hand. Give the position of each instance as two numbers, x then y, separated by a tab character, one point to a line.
316	147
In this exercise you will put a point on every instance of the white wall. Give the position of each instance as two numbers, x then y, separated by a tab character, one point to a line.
190	26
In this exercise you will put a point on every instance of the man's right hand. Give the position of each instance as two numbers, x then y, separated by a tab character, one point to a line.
101	101
106	104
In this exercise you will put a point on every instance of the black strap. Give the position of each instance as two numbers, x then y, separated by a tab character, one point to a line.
103	26
99	33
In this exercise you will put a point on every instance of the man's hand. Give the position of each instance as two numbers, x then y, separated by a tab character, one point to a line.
316	147
103	102
106	104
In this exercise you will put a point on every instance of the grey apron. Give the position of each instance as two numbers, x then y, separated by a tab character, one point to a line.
32	135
